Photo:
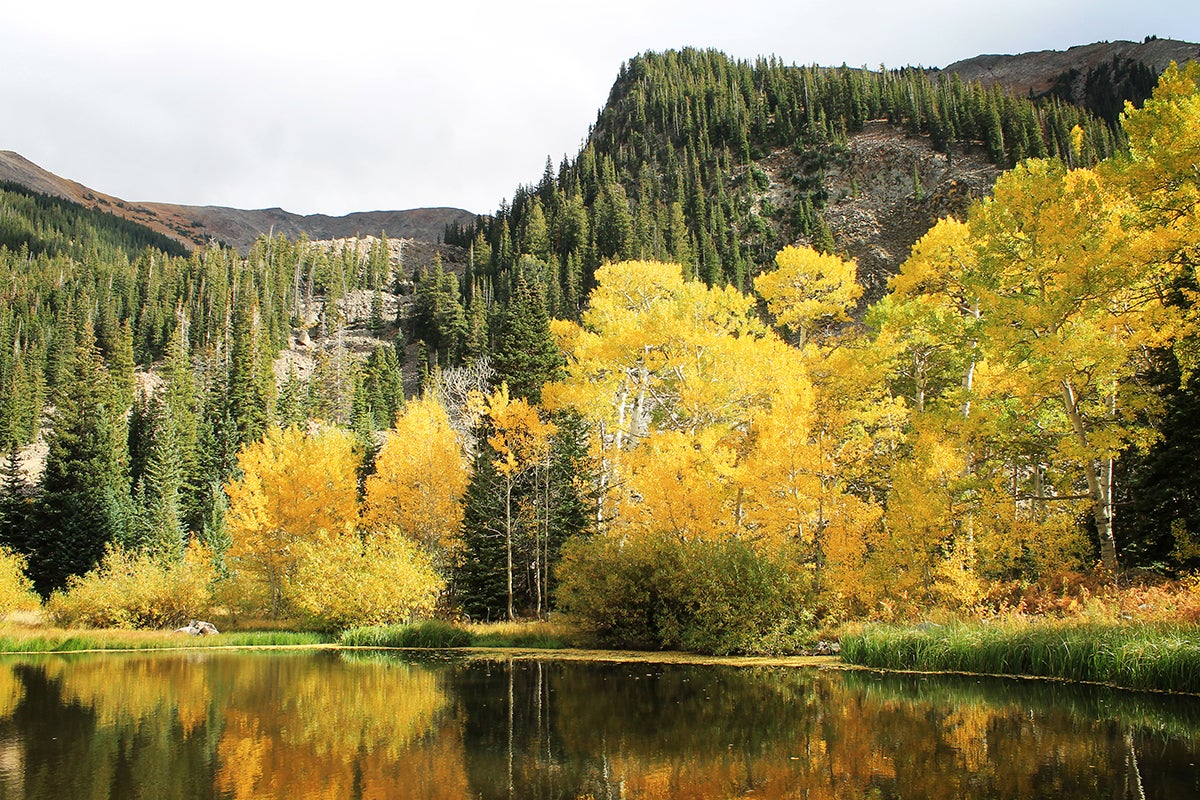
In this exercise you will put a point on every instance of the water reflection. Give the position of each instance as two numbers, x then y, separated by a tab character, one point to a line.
324	725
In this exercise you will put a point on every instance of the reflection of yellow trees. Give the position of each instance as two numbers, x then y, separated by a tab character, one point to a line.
11	691
321	727
131	689
290	728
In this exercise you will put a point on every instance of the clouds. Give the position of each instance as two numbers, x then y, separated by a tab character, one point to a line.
355	105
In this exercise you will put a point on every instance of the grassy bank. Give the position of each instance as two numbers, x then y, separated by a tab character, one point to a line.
53	640
1150	657
540	635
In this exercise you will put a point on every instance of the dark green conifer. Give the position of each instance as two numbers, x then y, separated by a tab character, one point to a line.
526	356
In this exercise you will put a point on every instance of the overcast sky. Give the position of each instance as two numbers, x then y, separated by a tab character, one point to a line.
351	105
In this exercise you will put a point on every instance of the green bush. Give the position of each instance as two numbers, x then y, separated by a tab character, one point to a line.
659	592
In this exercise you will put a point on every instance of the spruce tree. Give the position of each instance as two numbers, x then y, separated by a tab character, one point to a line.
526	356
16	503
84	493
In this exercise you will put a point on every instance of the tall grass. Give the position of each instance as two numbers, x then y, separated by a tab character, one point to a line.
437	634
431	634
1152	657
60	641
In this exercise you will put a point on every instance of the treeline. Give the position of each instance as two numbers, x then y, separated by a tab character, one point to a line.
669	171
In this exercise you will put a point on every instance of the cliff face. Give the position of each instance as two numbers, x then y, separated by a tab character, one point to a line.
886	189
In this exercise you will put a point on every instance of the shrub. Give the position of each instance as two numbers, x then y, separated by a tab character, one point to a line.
342	582
135	590
16	590
654	592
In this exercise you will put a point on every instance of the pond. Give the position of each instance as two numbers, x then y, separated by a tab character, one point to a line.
364	724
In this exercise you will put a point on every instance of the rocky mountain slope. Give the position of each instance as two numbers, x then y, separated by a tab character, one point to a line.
1090	75
197	225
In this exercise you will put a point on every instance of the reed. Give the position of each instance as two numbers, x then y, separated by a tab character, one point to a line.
1150	657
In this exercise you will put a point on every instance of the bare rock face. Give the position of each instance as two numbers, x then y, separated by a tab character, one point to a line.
884	190
889	188
1039	71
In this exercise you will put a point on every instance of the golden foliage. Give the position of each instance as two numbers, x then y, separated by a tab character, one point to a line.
293	485
809	291
420	476
342	580
520	438
136	590
16	590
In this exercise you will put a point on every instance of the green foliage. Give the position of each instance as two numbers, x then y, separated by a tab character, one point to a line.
48	225
85	502
526	356
552	504
1165	658
429	634
670	172
658	592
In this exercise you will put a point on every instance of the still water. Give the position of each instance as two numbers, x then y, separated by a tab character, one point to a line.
324	724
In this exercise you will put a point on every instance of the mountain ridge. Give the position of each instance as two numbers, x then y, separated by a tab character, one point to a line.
196	226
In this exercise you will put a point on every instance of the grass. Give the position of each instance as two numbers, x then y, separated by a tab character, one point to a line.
431	634
532	635
1160	657
437	634
52	640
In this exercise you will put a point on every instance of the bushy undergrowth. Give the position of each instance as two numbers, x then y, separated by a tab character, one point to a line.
1136	656
657	592
16	590
136	590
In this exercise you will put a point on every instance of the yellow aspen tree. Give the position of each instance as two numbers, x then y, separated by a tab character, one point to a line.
809	291
657	353
293	485
342	581
420	476
1067	309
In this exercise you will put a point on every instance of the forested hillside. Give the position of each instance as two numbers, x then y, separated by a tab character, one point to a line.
680	166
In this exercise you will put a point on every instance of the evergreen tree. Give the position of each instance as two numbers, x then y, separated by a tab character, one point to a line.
16	504
84	504
478	585
526	356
